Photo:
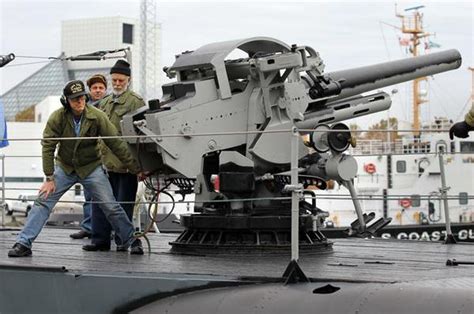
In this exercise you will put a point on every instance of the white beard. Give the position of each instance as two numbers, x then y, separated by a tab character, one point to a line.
118	93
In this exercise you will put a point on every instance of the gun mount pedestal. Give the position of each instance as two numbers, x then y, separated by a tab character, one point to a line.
252	227
215	234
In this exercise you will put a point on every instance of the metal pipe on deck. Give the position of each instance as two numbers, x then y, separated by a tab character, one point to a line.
444	189
295	208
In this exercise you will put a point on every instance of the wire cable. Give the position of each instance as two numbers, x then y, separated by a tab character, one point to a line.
22	64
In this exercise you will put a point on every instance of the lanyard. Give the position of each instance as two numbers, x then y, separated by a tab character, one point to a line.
77	125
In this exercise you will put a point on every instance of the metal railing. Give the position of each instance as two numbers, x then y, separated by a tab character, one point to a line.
377	147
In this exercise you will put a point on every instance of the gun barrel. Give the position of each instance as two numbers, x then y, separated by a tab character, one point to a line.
345	109
363	79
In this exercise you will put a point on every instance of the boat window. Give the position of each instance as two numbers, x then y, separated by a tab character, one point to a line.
467	147
77	190
463	198
453	147
415	200
401	166
417	147
127	33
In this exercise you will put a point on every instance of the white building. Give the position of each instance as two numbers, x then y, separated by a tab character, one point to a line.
46	107
85	36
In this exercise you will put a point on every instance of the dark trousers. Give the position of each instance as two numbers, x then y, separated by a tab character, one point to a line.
124	187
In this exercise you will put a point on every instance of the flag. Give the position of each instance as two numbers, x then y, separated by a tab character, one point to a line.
432	44
3	127
404	41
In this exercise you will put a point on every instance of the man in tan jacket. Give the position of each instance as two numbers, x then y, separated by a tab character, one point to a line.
124	183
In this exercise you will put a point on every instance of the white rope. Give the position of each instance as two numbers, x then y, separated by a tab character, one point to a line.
218	133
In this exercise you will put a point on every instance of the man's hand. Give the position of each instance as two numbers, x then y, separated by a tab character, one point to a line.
142	175
47	188
460	129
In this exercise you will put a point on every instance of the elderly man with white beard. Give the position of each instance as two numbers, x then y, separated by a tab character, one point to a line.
124	183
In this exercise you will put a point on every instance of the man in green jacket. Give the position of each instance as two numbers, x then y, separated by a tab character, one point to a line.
77	161
121	175
461	129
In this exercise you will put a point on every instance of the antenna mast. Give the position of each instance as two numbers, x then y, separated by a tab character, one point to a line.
413	26
148	31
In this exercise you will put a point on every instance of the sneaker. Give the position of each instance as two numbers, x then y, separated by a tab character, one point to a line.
19	250
136	248
96	247
80	235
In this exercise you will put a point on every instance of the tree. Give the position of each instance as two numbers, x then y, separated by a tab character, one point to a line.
382	125
27	115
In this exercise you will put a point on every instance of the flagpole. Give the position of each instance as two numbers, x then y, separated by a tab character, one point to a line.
3	143
4	205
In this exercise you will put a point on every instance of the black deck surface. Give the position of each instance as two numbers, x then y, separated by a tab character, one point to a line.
353	259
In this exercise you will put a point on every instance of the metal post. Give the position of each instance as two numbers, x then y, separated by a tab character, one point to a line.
295	210
355	200
444	189
3	190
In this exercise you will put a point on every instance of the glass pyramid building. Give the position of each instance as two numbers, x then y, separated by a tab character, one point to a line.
49	80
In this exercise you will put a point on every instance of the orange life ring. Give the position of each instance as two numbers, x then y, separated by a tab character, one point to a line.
370	168
405	202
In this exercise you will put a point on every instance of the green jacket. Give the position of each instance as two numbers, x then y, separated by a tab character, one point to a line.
470	117
81	156
115	109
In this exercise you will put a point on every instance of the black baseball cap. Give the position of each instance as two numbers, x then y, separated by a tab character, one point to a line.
74	89
122	67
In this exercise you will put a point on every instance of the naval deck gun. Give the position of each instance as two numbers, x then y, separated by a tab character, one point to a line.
230	119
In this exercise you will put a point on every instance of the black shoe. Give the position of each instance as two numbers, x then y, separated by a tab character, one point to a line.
96	247
80	235
122	249
136	247
19	250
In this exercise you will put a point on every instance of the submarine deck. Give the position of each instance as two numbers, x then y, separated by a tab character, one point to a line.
352	259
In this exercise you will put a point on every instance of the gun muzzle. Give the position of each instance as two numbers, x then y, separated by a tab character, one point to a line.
363	79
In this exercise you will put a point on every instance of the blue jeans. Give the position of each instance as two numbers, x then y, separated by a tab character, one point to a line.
124	187
86	224
99	187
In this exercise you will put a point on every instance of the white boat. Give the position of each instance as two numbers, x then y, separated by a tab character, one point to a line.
402	180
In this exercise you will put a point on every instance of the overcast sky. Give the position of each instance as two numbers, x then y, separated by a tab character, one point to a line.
347	34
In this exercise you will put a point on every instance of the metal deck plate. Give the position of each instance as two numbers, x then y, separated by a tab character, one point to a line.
132	280
351	259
